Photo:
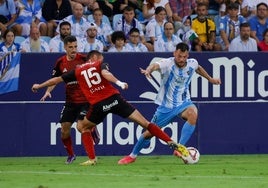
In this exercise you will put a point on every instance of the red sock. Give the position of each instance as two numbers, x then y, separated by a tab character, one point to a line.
88	144
67	143
156	131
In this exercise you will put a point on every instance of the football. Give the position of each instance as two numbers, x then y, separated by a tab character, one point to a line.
194	156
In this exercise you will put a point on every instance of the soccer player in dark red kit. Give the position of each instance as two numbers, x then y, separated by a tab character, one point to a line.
95	80
76	104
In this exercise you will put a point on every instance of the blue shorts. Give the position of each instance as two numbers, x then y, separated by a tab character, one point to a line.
163	116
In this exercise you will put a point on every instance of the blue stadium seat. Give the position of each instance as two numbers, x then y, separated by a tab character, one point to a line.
19	39
46	38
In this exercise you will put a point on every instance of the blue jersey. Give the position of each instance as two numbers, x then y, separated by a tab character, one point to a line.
174	89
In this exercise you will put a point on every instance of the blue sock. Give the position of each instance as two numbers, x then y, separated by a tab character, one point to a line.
186	132
142	143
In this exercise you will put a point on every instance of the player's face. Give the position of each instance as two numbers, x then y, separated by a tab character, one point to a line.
180	58
71	49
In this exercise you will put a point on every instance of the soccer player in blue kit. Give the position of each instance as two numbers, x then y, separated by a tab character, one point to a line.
173	96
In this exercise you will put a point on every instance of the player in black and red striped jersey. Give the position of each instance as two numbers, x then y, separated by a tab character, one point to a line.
95	80
76	104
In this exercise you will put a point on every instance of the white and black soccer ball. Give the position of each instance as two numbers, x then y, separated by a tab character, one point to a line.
194	156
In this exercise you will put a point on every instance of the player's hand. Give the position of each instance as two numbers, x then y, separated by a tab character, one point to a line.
123	85
145	72
216	81
46	95
35	87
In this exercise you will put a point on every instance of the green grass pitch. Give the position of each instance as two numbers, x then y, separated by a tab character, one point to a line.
212	171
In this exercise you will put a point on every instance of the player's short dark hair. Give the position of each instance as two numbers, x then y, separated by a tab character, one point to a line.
182	46
69	38
116	35
92	53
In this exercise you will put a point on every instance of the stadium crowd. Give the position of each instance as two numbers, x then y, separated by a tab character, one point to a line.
107	25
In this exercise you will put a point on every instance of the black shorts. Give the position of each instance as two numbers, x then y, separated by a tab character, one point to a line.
114	104
72	112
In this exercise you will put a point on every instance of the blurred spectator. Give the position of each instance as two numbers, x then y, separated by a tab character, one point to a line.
243	42
104	29
222	7
90	6
155	27
182	8
8	16
128	21
79	24
112	7
134	44
149	6
259	23
168	41
53	12
56	43
30	13
229	25
119	41
187	35
34	43
205	29
8	44
91	43
249	7
263	45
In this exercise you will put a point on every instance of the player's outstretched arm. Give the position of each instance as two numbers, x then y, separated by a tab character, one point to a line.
111	78
152	67
50	82
47	93
200	70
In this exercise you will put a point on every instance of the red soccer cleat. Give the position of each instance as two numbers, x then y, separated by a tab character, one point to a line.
126	160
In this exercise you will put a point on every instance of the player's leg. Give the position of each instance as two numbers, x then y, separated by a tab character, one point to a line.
161	120
84	126
67	141
68	116
190	115
82	111
157	132
143	142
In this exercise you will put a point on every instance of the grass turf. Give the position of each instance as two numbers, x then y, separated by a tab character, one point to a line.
219	171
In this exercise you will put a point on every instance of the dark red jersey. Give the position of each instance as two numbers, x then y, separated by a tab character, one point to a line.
73	91
95	87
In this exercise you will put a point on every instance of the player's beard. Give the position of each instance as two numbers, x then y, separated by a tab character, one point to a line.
35	45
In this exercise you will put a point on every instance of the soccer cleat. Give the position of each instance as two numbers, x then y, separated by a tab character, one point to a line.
89	162
70	159
95	135
181	149
126	160
177	154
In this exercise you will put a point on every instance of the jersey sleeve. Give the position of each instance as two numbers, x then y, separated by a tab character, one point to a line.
105	66
69	77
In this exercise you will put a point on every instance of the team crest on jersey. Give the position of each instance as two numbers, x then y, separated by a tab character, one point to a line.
64	70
